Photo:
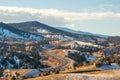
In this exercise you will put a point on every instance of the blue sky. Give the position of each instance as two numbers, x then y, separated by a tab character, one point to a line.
96	16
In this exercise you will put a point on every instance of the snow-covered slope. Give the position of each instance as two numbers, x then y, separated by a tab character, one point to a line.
7	31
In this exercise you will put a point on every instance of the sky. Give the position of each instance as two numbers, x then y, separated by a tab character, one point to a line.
96	16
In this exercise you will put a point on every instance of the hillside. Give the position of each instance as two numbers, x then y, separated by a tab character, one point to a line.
7	31
37	27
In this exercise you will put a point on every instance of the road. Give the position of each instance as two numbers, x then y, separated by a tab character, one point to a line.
64	63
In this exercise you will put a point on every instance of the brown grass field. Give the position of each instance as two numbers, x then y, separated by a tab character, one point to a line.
97	75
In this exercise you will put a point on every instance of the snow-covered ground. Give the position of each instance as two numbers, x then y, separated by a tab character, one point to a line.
90	57
42	31
9	65
32	73
84	43
110	67
8	34
88	44
17	60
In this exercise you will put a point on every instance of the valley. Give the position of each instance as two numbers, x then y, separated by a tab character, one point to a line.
36	51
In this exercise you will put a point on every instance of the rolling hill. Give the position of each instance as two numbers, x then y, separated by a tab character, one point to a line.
37	27
7	31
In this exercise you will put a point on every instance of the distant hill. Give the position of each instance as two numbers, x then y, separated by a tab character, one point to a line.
81	32
7	31
37	27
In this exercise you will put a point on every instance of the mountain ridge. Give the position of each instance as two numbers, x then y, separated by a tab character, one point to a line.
28	26
40	29
82	32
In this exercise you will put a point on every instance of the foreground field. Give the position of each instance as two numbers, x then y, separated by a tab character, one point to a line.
98	75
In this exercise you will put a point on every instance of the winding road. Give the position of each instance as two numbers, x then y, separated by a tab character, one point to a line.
64	63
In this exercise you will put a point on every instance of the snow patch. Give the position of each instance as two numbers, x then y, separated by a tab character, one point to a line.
109	67
90	57
16	60
32	73
42	31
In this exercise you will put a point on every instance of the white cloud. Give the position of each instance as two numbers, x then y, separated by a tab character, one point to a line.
72	25
51	16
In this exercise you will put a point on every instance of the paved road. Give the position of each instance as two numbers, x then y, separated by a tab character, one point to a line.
63	64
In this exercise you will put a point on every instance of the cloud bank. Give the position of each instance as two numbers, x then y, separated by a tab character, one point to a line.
51	16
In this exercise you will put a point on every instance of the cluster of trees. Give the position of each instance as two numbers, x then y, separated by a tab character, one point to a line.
107	60
80	59
28	59
87	49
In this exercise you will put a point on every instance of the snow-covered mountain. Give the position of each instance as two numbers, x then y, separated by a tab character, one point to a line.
81	32
51	32
7	31
40	28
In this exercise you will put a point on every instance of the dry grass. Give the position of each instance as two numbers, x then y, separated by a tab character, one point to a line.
107	72
60	52
66	44
50	62
9	74
50	77
99	75
61	43
81	69
22	71
19	71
